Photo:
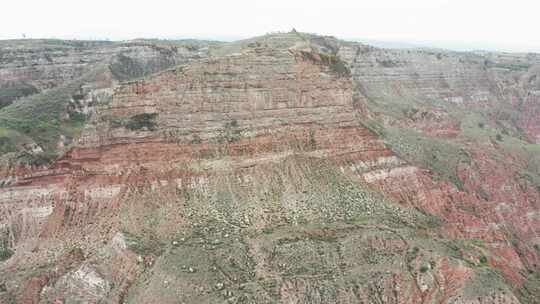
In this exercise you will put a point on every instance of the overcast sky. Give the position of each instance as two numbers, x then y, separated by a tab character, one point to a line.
508	25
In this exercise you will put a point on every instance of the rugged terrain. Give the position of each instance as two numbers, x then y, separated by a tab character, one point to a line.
287	168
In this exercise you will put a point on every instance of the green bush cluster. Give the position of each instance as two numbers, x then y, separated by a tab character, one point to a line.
142	121
5	253
483	260
230	132
336	64
330	60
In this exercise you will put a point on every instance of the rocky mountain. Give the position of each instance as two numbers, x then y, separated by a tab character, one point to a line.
287	168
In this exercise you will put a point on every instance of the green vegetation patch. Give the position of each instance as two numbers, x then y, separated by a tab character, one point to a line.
230	132
39	116
483	283
336	64
424	268
331	60
531	177
8	141
441	156
10	92
529	291
45	117
142	121
5	253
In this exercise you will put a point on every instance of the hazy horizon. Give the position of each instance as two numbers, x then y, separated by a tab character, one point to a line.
382	43
455	25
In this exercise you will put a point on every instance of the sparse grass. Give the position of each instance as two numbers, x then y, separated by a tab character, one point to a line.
472	251
40	117
484	283
531	177
489	126
144	245
8	140
529	291
441	156
11	92
318	226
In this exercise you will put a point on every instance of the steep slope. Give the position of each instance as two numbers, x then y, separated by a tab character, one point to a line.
463	117
261	174
49	86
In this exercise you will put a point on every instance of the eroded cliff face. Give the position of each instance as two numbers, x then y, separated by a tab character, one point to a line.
422	87
44	104
257	175
485	109
44	64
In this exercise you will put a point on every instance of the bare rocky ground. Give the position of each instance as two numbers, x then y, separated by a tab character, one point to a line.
288	168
